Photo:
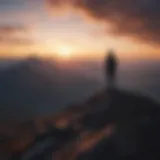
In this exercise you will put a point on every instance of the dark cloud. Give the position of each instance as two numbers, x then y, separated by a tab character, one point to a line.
15	35
10	30
135	18
16	41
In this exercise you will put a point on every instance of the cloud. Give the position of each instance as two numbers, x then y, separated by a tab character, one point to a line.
16	41
138	19
14	35
13	29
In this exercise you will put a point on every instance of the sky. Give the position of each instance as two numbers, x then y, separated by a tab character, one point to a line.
80	28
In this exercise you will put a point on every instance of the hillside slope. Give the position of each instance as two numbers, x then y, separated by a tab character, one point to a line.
111	124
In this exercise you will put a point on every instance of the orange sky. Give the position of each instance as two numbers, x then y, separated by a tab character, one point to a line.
68	35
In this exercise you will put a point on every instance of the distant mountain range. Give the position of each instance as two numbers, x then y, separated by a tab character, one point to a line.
7	63
36	86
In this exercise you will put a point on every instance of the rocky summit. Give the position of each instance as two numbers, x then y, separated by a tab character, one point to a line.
113	124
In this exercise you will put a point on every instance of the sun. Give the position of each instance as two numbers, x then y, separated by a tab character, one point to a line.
65	52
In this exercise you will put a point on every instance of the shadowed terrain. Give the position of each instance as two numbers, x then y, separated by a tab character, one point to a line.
111	124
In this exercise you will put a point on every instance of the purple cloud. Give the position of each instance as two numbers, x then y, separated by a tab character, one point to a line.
138	19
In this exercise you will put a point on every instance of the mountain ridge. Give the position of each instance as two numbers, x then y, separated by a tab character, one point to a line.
99	122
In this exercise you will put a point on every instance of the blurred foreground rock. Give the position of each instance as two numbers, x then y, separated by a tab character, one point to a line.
111	125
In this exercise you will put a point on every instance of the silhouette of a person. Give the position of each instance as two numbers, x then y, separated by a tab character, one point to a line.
111	67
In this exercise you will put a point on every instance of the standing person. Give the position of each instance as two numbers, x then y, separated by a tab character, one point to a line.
111	68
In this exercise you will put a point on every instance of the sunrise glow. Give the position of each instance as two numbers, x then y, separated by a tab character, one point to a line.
32	27
64	52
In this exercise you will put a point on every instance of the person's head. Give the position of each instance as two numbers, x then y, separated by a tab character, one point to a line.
111	53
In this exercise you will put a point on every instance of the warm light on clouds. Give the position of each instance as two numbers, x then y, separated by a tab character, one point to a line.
134	18
84	29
